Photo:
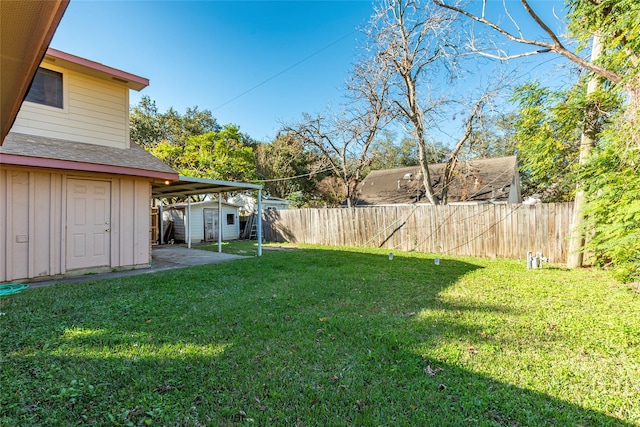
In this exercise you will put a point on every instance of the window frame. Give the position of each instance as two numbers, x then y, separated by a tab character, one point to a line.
63	91
233	219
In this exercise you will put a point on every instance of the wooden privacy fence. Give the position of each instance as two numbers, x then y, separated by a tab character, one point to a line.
503	231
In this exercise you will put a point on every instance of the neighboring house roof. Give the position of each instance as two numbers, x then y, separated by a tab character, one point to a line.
249	203
275	200
26	29
473	181
37	151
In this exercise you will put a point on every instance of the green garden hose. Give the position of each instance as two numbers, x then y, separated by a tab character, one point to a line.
12	289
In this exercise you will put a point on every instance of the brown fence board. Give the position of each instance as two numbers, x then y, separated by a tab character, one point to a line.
503	231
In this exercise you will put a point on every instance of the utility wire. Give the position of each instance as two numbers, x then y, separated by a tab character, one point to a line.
292	177
306	58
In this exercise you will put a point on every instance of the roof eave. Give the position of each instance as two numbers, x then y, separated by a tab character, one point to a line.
96	69
189	186
33	23
41	162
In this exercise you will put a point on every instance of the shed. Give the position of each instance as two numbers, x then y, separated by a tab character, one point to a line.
204	221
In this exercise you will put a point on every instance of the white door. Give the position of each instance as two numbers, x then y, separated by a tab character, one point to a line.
210	224
88	223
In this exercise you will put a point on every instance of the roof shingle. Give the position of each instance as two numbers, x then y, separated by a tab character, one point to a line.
473	181
134	158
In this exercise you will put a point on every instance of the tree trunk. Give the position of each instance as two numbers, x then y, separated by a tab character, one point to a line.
587	142
424	166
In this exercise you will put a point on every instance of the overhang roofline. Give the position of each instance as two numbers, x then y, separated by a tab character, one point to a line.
96	69
189	186
26	29
40	162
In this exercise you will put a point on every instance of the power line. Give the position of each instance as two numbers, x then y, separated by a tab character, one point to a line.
292	177
284	71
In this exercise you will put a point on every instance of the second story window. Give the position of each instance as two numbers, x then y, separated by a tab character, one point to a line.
46	88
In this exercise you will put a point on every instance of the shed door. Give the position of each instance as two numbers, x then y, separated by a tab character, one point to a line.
210	224
88	223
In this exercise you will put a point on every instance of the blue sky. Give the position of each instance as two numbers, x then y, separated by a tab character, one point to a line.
209	53
252	63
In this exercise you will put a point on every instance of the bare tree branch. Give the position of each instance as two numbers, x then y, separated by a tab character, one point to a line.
556	46
447	174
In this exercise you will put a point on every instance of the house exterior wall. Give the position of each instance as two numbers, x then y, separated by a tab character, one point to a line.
33	219
177	215
95	111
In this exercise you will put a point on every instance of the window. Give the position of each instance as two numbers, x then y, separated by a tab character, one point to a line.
46	88
230	219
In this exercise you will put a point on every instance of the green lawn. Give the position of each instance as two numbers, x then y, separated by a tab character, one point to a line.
325	336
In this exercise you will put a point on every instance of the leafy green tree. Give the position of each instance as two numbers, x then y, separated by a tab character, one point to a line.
223	155
388	154
149	127
494	137
610	28
548	128
612	215
287	170
145	127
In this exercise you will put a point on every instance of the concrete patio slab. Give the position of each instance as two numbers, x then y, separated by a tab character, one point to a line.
166	257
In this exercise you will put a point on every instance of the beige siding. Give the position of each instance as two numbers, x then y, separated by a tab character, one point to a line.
3	225
131	222
95	111
33	222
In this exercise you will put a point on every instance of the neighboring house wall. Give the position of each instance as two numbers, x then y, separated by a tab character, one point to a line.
176	213
95	110
274	203
248	204
36	238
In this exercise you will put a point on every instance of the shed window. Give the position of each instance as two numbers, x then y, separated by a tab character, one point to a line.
46	88
231	219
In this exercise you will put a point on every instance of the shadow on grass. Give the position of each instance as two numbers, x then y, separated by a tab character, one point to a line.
307	337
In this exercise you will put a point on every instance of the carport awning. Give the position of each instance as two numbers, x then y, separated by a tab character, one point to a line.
188	186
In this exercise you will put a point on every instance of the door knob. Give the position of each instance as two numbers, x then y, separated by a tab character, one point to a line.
107	230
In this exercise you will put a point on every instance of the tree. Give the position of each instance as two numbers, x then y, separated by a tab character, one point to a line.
612	214
494	136
548	128
286	169
342	142
149	127
144	124
601	15
469	123
408	39
223	155
611	27
388	154
416	44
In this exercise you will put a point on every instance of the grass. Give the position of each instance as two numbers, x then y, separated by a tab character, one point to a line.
237	247
325	336
241	247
